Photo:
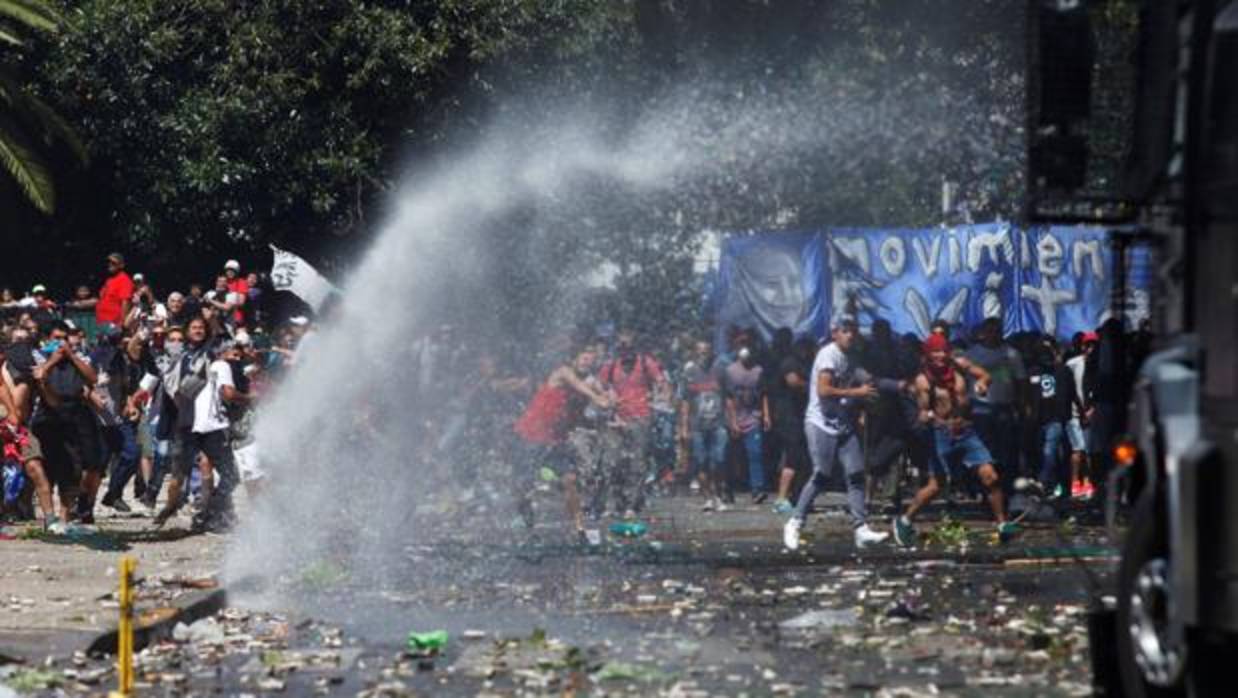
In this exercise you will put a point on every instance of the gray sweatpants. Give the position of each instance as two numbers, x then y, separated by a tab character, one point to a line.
826	450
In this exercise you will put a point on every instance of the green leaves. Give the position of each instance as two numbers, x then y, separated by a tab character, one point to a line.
21	114
30	14
25	166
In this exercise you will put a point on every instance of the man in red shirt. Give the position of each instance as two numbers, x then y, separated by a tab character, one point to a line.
239	286
114	299
632	376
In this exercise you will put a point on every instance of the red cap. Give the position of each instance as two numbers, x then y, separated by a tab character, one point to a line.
936	342
1091	337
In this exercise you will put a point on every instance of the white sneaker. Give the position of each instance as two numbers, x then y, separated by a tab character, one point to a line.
720	505
708	505
865	536
791	533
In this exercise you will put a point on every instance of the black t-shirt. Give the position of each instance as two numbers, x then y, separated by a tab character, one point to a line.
1054	387
786	404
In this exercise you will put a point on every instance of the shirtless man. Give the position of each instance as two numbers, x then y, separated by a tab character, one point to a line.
16	398
19	442
942	396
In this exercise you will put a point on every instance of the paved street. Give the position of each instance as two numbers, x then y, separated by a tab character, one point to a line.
704	604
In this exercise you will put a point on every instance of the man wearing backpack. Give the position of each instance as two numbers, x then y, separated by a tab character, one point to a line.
194	421
632	376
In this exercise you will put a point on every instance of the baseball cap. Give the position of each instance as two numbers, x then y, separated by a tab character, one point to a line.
233	265
139	278
843	320
299	320
38	288
1090	337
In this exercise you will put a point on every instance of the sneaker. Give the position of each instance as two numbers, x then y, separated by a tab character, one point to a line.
55	526
904	532
759	497
783	506
1058	492
1082	490
1007	531
117	504
719	505
865	536
1028	485
791	533
708	505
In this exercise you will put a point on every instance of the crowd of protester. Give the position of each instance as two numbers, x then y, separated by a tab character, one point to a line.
966	408
133	387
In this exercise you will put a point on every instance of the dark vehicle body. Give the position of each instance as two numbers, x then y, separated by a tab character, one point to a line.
1176	467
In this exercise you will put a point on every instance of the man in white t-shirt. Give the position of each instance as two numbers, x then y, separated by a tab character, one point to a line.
198	388
834	397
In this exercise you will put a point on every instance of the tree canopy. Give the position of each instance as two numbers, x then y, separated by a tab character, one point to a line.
218	127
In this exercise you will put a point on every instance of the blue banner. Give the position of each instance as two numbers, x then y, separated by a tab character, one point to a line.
1056	280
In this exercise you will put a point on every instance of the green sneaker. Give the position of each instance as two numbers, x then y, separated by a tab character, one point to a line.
1007	531
904	532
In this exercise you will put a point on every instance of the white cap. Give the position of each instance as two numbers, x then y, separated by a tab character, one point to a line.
299	320
242	338
233	265
38	288
139	278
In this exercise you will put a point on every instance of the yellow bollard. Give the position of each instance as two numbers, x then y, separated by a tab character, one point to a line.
124	633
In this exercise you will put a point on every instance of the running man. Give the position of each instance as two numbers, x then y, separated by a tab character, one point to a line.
555	409
942	397
834	397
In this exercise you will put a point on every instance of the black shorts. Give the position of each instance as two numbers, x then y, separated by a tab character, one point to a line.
71	442
185	446
794	449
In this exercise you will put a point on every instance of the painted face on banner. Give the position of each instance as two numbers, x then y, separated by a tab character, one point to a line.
771	277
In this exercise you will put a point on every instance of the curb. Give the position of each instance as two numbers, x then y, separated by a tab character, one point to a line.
153	624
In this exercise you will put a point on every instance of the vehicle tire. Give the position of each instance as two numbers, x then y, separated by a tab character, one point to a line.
1141	593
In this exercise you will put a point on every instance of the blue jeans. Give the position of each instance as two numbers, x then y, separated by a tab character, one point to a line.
126	463
709	449
752	442
1052	466
966	447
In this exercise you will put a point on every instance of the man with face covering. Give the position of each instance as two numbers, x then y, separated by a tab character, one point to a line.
830	426
193	421
743	385
944	403
632	376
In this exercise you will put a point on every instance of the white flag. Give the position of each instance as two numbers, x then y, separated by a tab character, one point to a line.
291	273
